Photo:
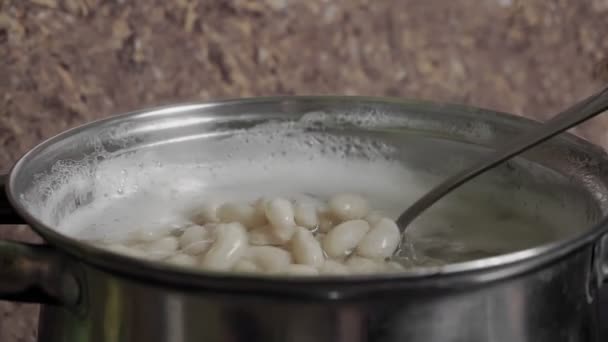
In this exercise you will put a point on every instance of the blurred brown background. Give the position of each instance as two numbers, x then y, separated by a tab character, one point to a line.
65	62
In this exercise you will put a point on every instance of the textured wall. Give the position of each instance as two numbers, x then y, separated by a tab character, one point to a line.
65	62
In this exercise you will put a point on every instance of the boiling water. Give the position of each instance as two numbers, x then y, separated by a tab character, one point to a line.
166	197
169	195
160	186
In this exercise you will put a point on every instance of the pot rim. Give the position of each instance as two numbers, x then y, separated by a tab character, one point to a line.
496	267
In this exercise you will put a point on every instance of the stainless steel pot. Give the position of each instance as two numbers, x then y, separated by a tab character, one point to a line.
545	293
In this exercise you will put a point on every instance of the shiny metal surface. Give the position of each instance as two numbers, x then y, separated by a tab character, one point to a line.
576	114
545	293
554	303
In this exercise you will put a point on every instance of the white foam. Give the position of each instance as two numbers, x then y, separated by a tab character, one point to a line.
165	196
154	189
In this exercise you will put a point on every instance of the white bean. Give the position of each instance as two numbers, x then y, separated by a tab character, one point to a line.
359	265
229	246
374	217
168	244
268	258
198	247
260	206
143	235
332	267
393	266
263	236
283	234
115	248
348	206
326	222
306	249
279	212
240	212
152	255
245	266
339	237
208	212
193	234
159	249
124	250
343	238
182	260
197	240
305	215
319	237
381	241
301	270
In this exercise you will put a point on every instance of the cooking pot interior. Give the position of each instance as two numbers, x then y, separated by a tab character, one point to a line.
150	170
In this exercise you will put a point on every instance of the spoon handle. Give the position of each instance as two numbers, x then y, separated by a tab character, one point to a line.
580	112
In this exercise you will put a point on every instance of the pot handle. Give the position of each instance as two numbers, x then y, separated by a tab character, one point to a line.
32	273
7	213
35	273
601	264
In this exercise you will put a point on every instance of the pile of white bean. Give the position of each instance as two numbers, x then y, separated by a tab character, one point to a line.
277	236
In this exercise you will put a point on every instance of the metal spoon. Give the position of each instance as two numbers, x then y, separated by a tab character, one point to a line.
569	118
